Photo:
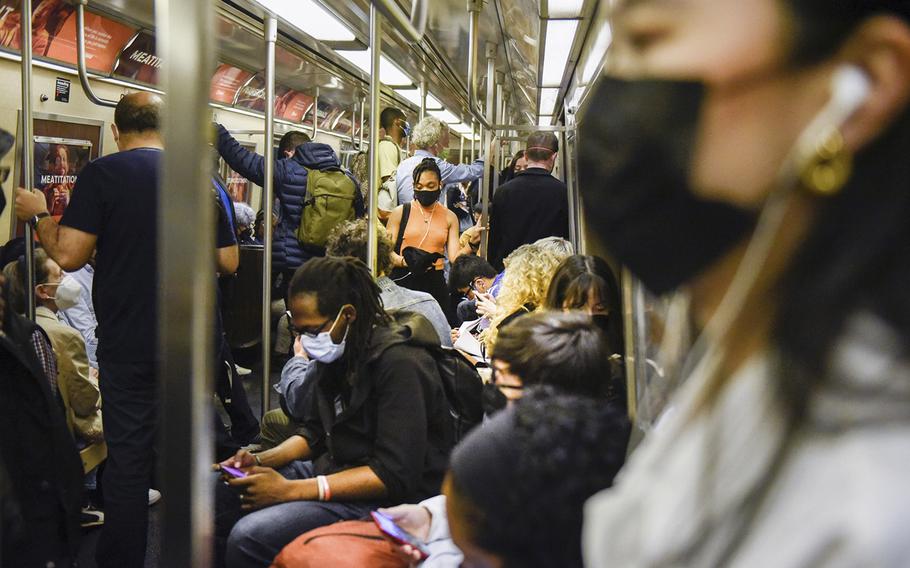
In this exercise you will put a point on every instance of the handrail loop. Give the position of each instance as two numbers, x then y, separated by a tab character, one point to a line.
80	58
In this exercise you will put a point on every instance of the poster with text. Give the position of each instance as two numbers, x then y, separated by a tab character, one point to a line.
138	61
58	162
227	82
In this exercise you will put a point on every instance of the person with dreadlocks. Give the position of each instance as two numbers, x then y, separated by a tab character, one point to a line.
375	432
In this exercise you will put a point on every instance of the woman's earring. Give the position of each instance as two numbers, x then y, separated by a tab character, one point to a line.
829	167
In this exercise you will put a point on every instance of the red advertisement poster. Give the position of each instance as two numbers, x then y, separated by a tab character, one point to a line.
58	162
138	61
238	187
226	82
293	106
54	33
103	41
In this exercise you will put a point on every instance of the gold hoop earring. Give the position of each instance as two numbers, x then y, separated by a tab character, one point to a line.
829	167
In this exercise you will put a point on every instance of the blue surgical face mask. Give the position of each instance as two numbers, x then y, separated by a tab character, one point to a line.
321	348
406	129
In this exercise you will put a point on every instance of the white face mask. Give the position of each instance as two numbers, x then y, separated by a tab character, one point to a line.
321	348
68	293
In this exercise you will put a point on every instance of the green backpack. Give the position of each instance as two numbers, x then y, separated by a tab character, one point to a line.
329	201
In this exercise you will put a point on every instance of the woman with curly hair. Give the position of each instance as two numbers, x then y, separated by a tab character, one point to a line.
529	270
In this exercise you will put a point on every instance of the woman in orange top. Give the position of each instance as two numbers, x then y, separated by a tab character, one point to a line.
428	226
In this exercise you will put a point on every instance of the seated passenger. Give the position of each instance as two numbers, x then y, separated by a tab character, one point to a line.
350	239
563	352
524	284
513	500
587	283
78	389
376	432
246	218
470	274
81	316
567	351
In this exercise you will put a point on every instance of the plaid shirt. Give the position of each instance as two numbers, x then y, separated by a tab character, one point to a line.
46	356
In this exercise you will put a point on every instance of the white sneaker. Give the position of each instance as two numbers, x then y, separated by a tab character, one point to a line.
154	496
242	371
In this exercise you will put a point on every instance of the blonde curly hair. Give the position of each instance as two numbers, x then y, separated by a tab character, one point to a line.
529	269
428	132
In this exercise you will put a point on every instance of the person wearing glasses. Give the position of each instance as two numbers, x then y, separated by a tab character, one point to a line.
376	430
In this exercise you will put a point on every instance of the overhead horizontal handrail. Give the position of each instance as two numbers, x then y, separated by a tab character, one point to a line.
412	28
80	57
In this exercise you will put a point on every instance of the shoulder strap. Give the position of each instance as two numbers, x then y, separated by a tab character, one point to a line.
405	216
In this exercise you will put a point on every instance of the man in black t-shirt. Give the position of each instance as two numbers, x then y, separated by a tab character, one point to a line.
113	207
533	205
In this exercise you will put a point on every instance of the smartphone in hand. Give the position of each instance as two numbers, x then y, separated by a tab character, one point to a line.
398	535
232	471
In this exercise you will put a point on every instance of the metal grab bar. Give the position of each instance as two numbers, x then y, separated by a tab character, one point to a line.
474	7
28	155
412	28
268	196
80	57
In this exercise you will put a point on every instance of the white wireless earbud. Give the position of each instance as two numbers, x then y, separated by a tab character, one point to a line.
850	88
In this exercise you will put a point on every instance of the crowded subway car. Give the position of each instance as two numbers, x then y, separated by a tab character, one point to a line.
470	283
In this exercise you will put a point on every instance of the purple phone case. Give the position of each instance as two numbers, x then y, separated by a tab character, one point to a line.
232	471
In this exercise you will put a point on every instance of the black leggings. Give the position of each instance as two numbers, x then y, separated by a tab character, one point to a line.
433	282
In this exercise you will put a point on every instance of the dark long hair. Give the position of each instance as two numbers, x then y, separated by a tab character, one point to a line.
855	256
572	284
336	282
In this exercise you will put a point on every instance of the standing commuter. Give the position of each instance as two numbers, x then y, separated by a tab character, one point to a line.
397	129
533	205
297	154
113	208
431	137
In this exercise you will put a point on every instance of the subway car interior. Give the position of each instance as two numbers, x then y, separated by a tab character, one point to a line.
442	283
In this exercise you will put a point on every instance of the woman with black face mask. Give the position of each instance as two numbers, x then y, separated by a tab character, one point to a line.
424	232
755	153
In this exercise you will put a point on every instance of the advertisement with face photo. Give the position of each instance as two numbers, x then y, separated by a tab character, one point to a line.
58	162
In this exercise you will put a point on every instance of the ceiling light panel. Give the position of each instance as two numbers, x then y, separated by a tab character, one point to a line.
560	38
413	95
545	121
389	73
445	116
311	18
548	100
564	8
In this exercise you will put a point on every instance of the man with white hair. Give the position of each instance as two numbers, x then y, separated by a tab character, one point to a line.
431	137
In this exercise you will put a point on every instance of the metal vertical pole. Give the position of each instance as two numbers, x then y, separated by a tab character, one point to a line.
489	173
423	99
570	189
28	155
268	192
373	218
362	115
186	283
316	115
473	136
461	151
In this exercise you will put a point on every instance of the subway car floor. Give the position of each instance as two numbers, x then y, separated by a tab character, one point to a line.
251	384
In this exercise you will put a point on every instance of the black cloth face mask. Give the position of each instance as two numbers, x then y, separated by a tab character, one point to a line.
635	149
427	198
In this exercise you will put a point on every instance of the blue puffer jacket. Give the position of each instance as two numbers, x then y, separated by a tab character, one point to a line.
290	190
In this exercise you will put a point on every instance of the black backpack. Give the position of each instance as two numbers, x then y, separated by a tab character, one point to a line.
460	380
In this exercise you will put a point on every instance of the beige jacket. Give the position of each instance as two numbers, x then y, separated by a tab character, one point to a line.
78	389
